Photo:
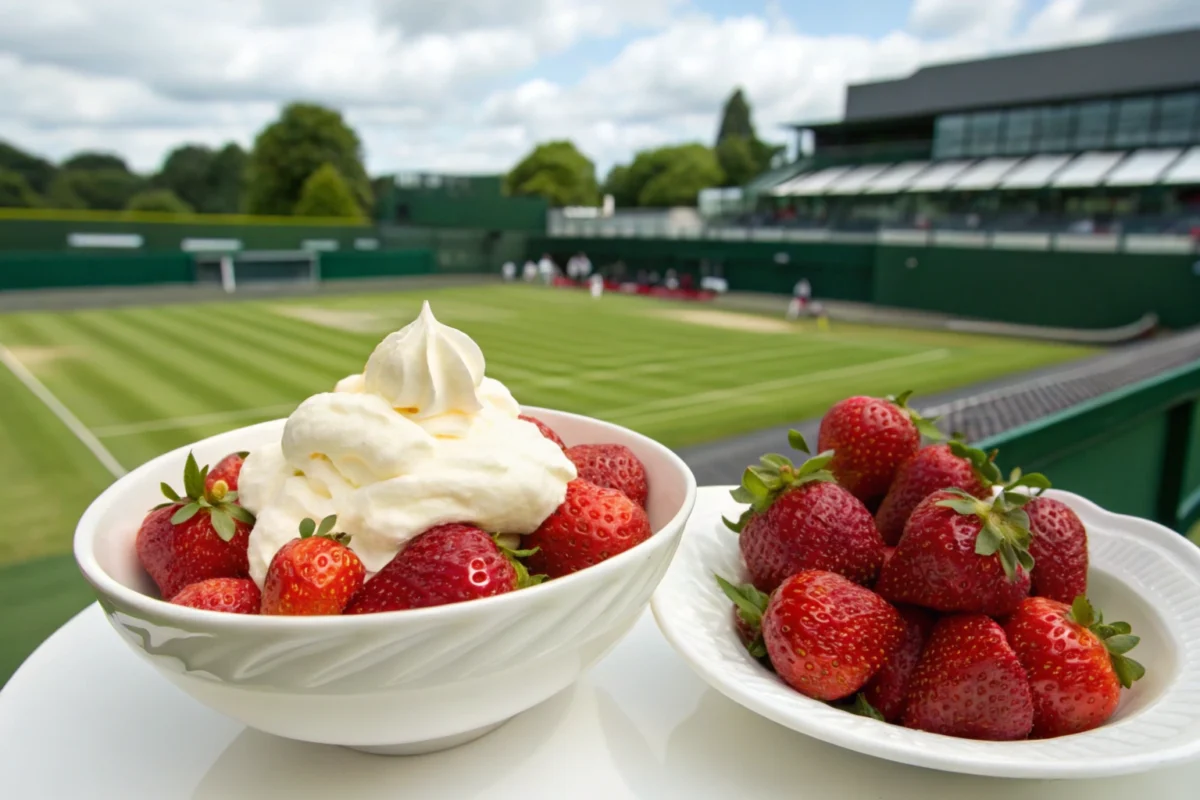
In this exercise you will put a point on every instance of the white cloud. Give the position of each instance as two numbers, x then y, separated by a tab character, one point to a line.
464	85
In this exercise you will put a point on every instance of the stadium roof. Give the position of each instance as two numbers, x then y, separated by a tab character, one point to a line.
1161	62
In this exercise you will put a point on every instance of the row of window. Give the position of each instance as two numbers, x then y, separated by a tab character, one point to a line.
1162	120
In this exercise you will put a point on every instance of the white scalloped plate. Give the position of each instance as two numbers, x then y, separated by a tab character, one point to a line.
1141	572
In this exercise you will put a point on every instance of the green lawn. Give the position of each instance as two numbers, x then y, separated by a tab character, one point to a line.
148	379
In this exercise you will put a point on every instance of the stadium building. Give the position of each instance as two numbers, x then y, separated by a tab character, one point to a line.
1089	138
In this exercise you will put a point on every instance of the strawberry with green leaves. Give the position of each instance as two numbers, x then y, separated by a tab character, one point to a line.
800	518
1075	662
960	553
953	465
870	438
450	563
969	683
200	535
748	607
313	575
227	469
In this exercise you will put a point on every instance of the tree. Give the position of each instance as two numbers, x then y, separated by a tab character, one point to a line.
681	172
15	191
102	189
617	184
738	160
292	148
556	171
38	172
90	160
160	200
667	176
326	194
210	182
226	180
736	119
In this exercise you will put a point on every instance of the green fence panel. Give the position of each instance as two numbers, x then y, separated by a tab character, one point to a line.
1067	289
56	270
384	263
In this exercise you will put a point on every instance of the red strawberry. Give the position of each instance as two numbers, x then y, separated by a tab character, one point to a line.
827	636
227	469
313	575
870	437
544	429
446	564
592	524
969	683
1075	662
613	466
960	553
230	595
888	689
800	519
1059	549
938	466
201	535
748	607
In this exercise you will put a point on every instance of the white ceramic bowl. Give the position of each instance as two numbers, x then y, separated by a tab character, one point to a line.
398	682
1140	572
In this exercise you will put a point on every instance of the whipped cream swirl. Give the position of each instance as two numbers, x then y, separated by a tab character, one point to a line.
422	437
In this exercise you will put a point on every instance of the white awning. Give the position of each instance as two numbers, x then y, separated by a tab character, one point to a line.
1143	168
1086	170
938	177
1186	169
1034	173
854	180
895	179
984	175
815	182
785	187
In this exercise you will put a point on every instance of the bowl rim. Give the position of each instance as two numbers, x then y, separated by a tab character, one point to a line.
87	529
921	748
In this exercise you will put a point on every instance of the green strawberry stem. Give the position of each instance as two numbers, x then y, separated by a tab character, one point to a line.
751	604
1117	637
524	579
863	708
1005	530
218	501
310	529
773	475
926	427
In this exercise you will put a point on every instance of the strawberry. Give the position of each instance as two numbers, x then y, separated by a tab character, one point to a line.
1059	549
613	466
887	691
969	683
870	437
544	429
446	564
592	524
313	575
230	595
1075	662
827	636
800	519
748	607
938	466
960	553
202	535
227	469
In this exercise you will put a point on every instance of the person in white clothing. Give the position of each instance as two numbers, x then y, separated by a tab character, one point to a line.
509	271
801	297
596	285
530	271
585	265
547	268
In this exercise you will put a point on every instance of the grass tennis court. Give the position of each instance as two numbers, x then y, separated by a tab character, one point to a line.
143	380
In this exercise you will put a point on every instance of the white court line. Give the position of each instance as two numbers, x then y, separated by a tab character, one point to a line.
172	423
81	431
752	394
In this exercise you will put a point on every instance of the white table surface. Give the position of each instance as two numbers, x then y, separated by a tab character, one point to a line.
84	717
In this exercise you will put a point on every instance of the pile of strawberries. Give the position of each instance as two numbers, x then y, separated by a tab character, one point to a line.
918	586
195	546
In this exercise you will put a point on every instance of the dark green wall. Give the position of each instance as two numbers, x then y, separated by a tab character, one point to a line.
40	270
1078	290
836	271
382	264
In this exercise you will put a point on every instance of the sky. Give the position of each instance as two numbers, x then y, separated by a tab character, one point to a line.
469	86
